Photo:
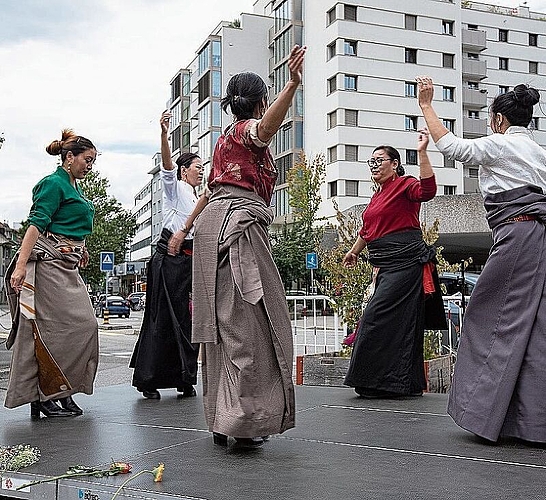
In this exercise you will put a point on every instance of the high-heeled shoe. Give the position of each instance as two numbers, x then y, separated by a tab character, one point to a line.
219	439
49	409
69	404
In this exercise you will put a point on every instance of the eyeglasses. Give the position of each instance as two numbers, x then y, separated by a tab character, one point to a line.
372	162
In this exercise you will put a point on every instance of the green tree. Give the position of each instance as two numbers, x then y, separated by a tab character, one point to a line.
294	240
113	227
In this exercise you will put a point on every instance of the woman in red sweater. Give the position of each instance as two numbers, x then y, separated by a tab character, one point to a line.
387	358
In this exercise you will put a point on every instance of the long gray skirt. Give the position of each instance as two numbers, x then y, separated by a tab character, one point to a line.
499	384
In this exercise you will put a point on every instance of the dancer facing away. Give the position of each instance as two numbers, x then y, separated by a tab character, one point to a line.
500	373
54	332
387	359
240	310
164	355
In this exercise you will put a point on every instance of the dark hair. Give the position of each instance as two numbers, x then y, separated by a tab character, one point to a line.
393	155
244	91
516	105
69	142
184	161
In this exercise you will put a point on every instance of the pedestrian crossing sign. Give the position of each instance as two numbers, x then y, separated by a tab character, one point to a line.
106	261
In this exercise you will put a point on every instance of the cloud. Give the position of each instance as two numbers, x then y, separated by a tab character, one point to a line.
100	67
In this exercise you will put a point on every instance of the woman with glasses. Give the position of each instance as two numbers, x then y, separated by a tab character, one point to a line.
500	374
387	359
54	331
164	356
240	310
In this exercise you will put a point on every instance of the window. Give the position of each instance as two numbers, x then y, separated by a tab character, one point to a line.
216	53
349	12
331	51
474	115
503	35
450	189
503	89
203	88
332	154
216	114
503	63
411	157
216	84
449	163
473	173
448	60
534	123
410	22
351	152
203	59
351	188
449	124
447	27
332	85
410	89
411	56
473	56
332	119
332	189
350	82
411	122
533	40
448	93
331	16
533	67
472	26
349	47
351	117
473	85
175	88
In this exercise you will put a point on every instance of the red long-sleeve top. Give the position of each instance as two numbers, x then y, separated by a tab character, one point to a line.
396	206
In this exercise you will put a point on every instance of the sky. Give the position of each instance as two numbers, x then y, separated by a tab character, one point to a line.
102	68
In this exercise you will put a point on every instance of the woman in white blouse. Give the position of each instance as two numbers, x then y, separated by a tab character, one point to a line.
500	373
164	356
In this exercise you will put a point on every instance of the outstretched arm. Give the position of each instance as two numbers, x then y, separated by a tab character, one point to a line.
425	86
274	115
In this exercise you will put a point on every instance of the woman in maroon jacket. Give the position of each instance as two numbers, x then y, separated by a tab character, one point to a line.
387	358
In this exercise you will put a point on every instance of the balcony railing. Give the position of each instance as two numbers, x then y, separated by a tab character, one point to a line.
474	127
474	39
474	69
473	98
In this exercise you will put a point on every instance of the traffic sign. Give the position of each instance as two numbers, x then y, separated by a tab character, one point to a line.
106	261
311	260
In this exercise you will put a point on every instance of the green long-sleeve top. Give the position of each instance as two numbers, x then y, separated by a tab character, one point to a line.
60	207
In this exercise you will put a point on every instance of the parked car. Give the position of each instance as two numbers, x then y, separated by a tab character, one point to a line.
451	281
136	300
117	306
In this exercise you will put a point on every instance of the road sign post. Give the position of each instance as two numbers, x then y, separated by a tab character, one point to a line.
106	266
311	263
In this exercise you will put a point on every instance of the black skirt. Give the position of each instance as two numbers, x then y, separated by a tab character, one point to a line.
164	356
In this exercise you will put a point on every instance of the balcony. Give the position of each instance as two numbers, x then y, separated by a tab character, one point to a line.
474	40
471	185
474	99
474	127
474	69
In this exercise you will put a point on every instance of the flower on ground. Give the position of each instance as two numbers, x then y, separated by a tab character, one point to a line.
158	472
13	458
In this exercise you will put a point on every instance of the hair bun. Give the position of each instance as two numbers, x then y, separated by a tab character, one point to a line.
55	148
526	96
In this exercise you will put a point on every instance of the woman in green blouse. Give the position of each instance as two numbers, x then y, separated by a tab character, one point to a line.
54	334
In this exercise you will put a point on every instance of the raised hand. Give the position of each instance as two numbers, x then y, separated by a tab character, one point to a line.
422	139
425	85
164	121
295	63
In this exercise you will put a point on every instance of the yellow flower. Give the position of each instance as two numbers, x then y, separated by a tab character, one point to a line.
158	472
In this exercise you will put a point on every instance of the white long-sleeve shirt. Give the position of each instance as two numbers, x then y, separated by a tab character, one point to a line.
506	161
179	200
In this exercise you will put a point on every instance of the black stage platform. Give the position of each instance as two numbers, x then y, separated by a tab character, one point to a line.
342	448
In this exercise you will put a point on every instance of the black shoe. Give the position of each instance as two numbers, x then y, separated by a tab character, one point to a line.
69	404
368	393
187	391
219	439
249	443
49	409
153	394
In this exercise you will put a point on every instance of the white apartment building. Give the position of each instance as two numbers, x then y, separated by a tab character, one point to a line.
359	89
